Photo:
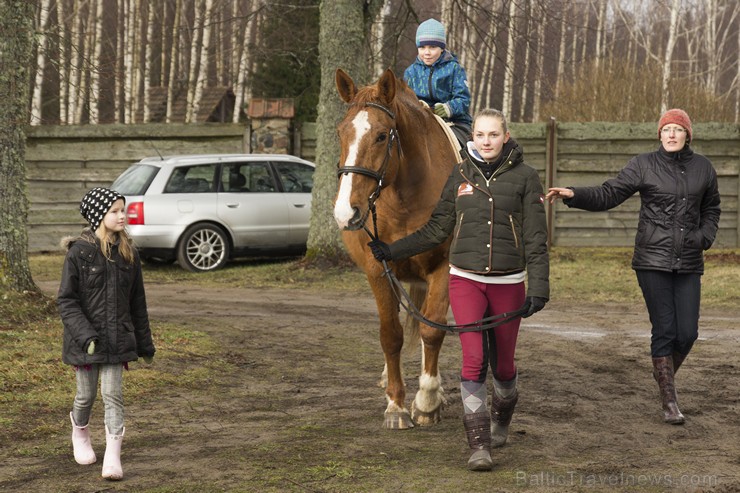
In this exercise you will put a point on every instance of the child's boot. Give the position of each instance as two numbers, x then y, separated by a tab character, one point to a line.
84	453
112	461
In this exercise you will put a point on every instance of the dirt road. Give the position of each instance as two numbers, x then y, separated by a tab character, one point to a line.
301	410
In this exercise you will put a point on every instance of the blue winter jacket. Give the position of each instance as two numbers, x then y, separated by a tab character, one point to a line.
444	81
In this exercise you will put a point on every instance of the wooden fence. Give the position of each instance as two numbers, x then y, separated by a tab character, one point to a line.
65	161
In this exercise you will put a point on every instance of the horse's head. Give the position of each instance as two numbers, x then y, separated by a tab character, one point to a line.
367	137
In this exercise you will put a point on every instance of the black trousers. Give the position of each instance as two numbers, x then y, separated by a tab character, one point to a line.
673	304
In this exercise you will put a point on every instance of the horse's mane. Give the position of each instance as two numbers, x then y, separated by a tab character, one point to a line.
405	97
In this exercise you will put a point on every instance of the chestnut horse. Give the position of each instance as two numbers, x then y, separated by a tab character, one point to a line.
396	156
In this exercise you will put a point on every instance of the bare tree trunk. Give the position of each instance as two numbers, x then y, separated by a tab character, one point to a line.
528	21
120	60
129	63
40	62
737	82
540	68
95	65
203	70
509	69
560	72
174	57
665	96
600	32
244	62
489	62
148	63
63	61
378	39
16	56
73	82
194	60
86	55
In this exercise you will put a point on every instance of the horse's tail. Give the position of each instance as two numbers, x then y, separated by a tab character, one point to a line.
417	293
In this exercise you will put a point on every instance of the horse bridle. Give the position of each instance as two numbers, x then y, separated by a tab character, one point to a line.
379	175
396	286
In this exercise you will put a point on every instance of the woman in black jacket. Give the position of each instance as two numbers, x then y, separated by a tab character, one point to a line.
102	304
493	208
679	216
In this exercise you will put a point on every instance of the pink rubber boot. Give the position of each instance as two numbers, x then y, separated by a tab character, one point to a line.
84	453
112	461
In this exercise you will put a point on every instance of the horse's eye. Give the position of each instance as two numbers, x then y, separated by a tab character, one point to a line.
380	138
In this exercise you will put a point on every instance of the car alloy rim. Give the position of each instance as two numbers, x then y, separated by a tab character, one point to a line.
205	249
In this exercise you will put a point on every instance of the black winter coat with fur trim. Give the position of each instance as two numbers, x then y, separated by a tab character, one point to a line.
103	300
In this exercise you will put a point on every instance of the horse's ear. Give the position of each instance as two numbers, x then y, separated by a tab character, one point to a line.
345	86
387	86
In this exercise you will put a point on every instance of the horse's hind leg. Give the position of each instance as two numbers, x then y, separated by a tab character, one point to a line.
427	406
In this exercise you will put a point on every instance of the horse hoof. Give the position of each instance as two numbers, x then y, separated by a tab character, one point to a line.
422	418
397	420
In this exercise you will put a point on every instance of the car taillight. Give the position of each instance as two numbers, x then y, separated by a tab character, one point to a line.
135	213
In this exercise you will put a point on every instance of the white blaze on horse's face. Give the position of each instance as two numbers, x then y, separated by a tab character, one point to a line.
343	210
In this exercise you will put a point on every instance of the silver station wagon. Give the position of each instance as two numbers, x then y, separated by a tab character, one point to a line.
203	210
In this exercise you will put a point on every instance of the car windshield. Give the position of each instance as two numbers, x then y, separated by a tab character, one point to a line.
135	180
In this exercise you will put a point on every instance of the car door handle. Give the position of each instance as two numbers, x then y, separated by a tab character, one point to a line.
300	206
233	206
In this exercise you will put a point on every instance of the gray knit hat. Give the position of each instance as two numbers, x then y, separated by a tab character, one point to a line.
96	203
431	32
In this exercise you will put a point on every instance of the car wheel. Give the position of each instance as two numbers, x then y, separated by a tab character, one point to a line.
204	247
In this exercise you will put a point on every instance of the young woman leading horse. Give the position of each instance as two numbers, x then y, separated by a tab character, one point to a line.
395	157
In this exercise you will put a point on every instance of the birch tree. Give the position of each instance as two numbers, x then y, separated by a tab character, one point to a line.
200	82
174	57
43	25
670	44
16	56
241	91
506	103
95	65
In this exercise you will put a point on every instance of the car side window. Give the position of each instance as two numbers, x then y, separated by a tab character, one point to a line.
191	179
296	177
247	177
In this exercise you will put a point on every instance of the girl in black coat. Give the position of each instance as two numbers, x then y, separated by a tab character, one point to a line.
679	216
103	307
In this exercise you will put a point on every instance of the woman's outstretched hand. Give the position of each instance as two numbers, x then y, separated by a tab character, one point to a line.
558	193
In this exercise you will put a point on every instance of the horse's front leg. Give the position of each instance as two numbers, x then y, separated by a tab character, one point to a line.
427	406
397	416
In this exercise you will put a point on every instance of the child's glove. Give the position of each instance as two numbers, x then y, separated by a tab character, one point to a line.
148	359
442	110
90	347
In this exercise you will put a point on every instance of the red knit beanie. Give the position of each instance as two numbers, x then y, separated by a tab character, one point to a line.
678	117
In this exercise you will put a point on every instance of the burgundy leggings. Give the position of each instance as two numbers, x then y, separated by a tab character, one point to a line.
472	301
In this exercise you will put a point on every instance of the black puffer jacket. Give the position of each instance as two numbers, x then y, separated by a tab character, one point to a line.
104	300
679	211
498	227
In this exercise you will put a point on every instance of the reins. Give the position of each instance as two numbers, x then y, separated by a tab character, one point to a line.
396	286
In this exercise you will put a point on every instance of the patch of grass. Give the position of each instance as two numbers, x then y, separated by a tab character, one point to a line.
605	275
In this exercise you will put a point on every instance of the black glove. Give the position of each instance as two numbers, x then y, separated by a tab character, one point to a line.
533	304
380	250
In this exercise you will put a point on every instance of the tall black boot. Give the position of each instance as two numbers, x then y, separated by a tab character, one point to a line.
663	370
478	431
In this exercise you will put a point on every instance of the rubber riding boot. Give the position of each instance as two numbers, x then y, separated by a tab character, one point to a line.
663	368
503	401
478	431
84	453
677	360
112	461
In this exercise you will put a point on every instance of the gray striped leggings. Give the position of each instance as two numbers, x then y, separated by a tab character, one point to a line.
111	388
